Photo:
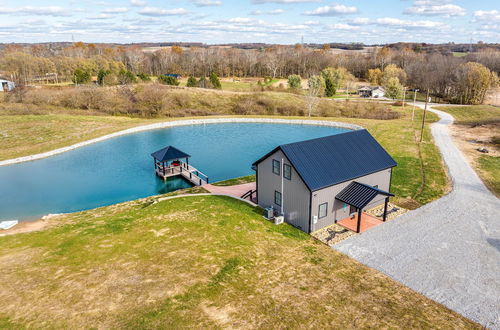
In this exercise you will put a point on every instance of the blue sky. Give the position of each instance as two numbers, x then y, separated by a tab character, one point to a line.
270	21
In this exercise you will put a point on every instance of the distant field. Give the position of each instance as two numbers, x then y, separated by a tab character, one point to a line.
204	262
459	54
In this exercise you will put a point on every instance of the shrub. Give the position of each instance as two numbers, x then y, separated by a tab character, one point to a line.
214	80
192	82
203	83
294	81
144	77
126	77
101	75
168	80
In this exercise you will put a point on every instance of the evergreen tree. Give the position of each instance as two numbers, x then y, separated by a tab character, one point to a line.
192	82
214	80
168	80
81	76
294	81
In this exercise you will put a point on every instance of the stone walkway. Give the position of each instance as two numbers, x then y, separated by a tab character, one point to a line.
448	250
236	190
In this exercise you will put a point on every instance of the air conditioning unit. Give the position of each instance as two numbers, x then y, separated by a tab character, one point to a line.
269	213
279	220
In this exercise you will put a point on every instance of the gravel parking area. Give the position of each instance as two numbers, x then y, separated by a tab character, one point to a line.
448	250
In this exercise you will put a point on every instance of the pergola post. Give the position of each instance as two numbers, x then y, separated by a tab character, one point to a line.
358	228
385	208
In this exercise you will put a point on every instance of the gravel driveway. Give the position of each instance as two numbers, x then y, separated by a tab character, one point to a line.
448	250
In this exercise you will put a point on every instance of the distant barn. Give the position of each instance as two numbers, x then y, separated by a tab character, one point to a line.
6	85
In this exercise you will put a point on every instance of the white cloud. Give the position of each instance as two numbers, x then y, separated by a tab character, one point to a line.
138	3
345	27
152	11
117	10
207	3
42	11
100	16
333	10
267	12
396	22
285	1
435	8
487	15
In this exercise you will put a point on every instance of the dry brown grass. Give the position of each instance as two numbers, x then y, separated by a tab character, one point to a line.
216	263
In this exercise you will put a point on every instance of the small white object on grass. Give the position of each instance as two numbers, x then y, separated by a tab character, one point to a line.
8	224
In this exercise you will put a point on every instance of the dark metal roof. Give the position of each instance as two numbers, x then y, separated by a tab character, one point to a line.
169	153
337	158
359	194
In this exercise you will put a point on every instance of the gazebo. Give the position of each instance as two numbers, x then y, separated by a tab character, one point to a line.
359	195
171	161
169	154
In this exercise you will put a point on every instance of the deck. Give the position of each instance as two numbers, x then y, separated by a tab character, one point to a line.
367	222
189	172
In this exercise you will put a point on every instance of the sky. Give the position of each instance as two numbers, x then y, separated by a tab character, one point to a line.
268	21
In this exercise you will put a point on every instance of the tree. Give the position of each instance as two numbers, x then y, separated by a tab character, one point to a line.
472	81
316	87
168	80
394	89
81	77
203	83
214	80
294	81
144	77
374	76
192	82
392	71
101	75
334	78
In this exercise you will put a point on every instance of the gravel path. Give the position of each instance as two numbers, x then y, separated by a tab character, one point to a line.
448	250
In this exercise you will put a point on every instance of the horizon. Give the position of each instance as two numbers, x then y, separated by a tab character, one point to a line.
283	22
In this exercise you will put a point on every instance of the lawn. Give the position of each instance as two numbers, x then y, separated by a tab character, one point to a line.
489	169
195	262
473	115
235	181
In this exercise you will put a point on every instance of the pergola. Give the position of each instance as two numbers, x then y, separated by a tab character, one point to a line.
359	195
168	154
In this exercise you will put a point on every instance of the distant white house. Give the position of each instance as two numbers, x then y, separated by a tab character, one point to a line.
371	91
6	85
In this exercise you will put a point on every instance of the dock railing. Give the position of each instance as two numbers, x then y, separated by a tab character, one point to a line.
189	172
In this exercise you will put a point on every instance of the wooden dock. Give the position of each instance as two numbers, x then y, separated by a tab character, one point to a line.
189	172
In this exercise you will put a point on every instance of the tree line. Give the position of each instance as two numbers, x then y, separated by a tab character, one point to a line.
463	79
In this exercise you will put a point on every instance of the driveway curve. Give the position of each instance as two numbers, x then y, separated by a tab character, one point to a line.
448	250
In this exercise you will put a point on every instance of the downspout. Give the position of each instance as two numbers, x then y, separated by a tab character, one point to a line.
282	192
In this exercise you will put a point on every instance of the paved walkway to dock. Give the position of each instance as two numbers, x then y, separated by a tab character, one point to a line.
448	250
236	190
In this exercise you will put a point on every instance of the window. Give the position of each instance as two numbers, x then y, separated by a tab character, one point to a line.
323	210
287	171
277	198
276	167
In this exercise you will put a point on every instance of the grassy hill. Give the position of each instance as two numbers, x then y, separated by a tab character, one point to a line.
195	262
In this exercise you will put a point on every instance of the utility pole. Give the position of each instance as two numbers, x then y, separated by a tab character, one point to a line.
414	102
423	117
404	97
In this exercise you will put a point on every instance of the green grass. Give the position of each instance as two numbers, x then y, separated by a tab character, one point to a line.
460	54
489	167
195	262
235	181
474	114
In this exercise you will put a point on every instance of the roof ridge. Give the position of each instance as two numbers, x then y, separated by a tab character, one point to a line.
324	137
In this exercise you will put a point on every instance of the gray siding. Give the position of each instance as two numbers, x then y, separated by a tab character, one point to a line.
336	209
295	196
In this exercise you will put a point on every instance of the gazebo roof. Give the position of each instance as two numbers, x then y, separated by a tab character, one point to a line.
169	153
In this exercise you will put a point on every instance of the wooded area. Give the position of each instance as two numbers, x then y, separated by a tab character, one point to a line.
458	79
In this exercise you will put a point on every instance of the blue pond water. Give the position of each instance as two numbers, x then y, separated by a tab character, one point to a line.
121	169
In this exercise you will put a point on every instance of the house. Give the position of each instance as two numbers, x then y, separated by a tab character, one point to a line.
316	183
6	85
371	91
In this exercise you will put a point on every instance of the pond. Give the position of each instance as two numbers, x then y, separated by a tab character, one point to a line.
121	169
